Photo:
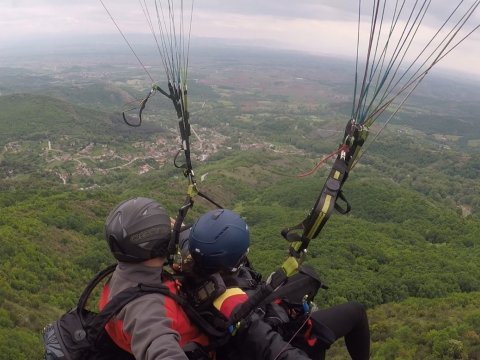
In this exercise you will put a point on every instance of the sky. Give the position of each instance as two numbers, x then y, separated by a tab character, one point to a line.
327	27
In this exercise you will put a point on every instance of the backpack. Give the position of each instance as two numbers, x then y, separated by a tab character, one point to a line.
80	333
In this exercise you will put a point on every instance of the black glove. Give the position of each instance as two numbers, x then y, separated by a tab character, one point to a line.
275	316
195	351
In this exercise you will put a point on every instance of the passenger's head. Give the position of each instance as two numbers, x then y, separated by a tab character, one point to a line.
219	241
138	229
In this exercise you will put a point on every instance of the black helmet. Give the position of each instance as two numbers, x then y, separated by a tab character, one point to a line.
137	230
219	241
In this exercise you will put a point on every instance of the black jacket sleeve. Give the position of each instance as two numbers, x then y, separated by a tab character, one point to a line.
259	341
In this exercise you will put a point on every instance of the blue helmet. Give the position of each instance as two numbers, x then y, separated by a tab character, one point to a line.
219	241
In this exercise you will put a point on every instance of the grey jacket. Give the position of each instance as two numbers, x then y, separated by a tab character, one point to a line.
154	326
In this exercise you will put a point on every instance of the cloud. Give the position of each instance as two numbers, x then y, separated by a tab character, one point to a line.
24	19
300	9
317	26
314	36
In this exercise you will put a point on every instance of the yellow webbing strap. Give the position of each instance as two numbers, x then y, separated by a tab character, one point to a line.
326	201
290	266
321	216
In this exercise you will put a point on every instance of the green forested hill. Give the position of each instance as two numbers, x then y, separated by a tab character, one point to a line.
36	117
31	117
52	242
409	250
430	329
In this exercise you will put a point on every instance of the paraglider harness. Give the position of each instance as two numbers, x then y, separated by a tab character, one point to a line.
295	292
80	333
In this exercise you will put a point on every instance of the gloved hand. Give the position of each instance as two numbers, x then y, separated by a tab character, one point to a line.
195	351
275	316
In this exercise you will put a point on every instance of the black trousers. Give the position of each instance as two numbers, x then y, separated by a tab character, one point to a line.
347	320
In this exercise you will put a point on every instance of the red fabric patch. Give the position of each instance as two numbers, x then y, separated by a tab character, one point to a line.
231	302
114	328
180	321
311	340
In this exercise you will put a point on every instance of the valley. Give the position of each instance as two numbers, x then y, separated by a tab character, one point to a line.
409	249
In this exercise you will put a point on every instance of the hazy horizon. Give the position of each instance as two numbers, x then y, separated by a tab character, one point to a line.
55	49
317	27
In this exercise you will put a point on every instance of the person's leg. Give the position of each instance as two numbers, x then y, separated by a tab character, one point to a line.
345	320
